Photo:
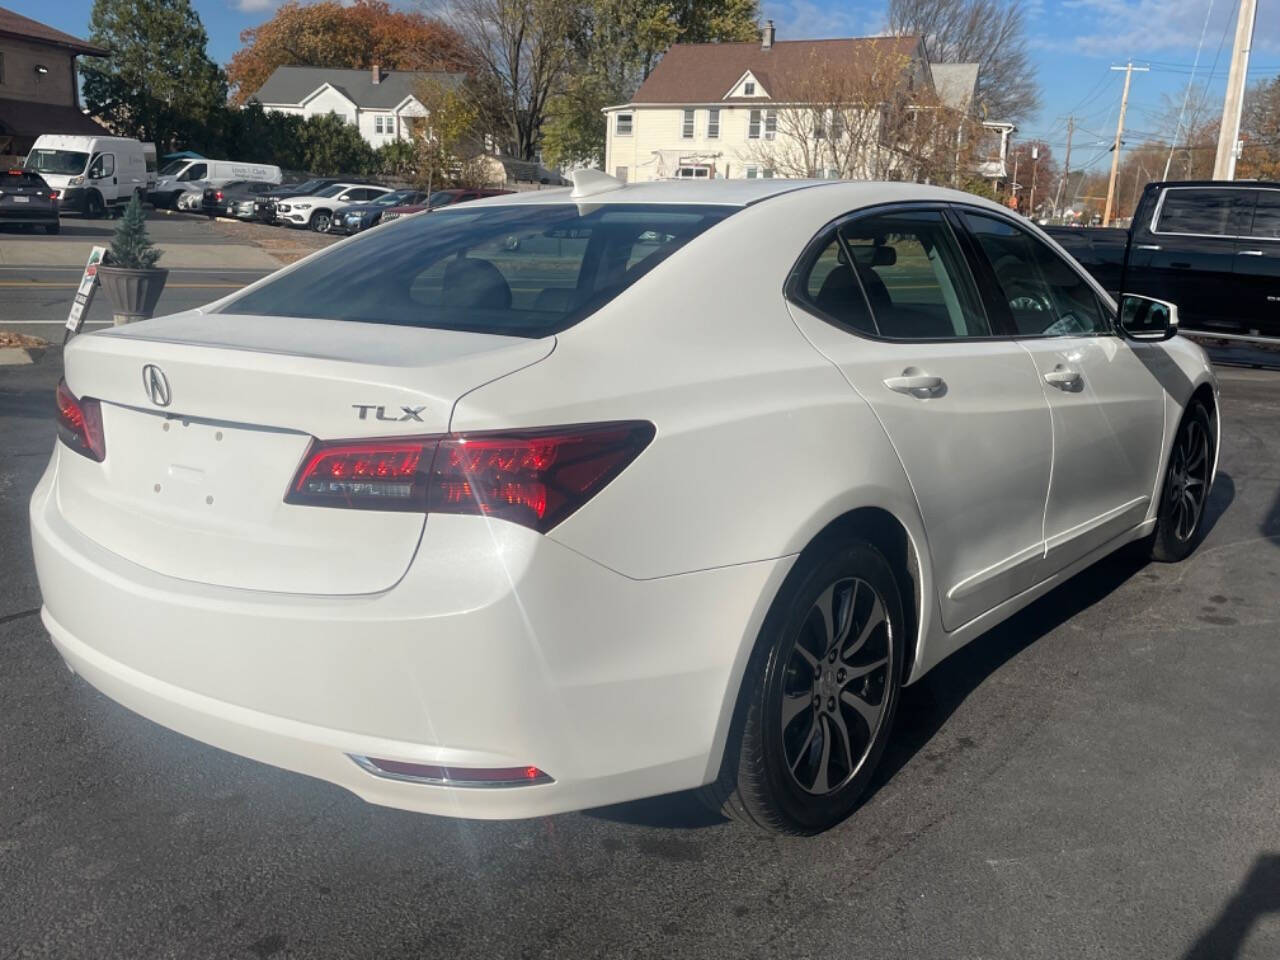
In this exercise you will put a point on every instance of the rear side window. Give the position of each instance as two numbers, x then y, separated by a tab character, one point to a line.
527	270
1206	212
830	286
1266	215
1044	295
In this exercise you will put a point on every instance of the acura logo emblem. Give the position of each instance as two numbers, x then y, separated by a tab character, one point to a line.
156	384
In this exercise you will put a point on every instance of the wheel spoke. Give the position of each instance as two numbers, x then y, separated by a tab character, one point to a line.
868	712
793	706
804	747
806	655
857	672
837	721
822	780
874	618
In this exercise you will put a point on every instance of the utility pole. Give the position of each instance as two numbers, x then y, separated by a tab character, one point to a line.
1066	165
1115	149
1224	162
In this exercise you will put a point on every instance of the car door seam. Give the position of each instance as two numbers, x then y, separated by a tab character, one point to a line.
1053	449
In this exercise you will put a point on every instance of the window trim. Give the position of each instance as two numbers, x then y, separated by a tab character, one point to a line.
755	121
1155	216
979	264
617	123
713	123
688	122
794	291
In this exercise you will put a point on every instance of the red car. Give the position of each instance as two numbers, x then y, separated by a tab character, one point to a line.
442	198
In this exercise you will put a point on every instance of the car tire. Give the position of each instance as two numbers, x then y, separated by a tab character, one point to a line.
320	221
93	206
817	702
1185	492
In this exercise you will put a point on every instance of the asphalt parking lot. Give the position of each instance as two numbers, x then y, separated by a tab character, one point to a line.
1097	777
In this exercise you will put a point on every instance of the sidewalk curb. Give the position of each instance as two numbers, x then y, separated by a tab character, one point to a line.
15	357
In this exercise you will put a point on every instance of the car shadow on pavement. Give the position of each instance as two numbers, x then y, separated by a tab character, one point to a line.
926	705
1257	896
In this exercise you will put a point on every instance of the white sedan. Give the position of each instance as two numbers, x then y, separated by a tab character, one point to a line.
316	210
578	497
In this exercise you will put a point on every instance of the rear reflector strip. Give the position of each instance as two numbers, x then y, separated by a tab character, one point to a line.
431	773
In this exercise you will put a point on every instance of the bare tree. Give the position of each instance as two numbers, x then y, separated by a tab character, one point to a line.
879	121
522	51
990	33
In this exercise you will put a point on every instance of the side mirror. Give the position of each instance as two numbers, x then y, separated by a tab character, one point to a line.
1145	318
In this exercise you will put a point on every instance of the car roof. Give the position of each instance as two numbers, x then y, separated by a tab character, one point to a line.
739	193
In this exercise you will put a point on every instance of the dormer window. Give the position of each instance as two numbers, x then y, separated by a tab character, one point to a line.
748	89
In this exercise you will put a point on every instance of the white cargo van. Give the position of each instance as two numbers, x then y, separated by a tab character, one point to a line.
182	176
93	175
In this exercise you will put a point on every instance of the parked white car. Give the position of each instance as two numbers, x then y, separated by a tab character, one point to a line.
562	499
93	175
316	210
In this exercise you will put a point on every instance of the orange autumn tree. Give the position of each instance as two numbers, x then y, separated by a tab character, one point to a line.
331	34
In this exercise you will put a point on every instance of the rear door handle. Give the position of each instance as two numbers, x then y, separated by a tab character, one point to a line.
1063	377
1250	253
1146	246
915	384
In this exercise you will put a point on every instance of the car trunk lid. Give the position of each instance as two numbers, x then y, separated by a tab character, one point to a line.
195	488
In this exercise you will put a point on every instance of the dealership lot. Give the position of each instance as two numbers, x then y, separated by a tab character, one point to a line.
1096	777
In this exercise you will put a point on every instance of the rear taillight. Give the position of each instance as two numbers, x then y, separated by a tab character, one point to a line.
532	477
53	194
218	195
80	424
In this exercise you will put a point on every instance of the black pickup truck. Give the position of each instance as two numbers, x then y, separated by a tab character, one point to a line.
1211	247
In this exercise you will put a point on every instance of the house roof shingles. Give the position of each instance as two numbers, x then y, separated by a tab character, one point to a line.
16	25
292	85
705	72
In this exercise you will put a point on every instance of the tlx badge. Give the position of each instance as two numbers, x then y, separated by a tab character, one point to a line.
380	413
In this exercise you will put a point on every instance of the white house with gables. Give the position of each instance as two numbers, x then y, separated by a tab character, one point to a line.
711	109
380	103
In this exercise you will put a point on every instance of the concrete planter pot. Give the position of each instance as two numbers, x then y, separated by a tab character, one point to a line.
133	293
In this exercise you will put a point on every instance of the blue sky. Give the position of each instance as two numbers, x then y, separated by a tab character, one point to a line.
1073	45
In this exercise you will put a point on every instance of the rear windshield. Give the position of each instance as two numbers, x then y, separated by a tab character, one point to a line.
64	162
524	271
11	179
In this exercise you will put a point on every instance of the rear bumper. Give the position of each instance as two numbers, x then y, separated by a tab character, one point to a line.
43	213
498	648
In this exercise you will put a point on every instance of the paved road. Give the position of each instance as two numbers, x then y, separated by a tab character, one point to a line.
1099	777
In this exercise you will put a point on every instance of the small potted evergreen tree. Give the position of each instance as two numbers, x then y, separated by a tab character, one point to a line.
130	276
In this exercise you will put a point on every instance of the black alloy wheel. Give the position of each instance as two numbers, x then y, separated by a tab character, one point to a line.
1180	523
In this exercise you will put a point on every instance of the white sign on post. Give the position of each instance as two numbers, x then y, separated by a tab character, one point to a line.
84	294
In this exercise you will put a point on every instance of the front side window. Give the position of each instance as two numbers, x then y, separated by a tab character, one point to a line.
713	123
622	126
686	125
1205	211
1043	294
914	276
196	171
753	125
526	270
1266	215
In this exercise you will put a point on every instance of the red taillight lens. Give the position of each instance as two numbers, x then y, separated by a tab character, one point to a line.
218	195
80	424
533	477
53	194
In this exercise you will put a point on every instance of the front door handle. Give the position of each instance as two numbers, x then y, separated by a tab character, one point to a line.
920	385
1063	377
1250	253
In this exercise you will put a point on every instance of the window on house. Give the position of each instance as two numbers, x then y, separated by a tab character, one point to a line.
748	89
622	126
770	124
767	173
753	171
686	126
819	125
377	124
620	173
753	127
713	123
837	124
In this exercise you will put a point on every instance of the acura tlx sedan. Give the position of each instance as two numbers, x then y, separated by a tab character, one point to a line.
566	498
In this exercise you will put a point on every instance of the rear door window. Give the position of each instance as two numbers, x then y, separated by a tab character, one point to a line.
525	270
1266	215
1205	211
21	181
